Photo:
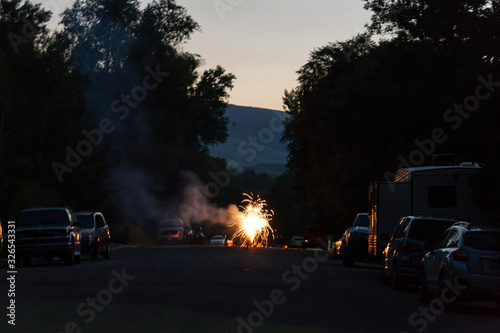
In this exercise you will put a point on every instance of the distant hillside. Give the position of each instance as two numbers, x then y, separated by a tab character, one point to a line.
254	139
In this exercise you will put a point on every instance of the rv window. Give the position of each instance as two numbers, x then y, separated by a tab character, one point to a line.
442	196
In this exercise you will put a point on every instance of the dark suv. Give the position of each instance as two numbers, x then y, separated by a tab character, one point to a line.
355	242
403	255
48	233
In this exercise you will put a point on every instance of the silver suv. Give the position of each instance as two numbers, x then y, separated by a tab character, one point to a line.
95	234
466	258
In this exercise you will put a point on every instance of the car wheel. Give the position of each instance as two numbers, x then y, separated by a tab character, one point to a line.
396	281
424	295
107	254
70	256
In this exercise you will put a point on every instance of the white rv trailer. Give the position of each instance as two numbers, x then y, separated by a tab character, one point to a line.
437	191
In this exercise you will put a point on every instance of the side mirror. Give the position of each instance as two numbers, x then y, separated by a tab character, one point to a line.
429	246
384	236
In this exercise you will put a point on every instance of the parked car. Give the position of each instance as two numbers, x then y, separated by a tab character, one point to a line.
315	236
95	234
337	252
173	231
355	244
403	254
48	233
466	257
218	240
296	241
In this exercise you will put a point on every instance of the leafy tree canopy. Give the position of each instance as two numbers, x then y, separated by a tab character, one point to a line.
168	127
111	97
43	111
362	107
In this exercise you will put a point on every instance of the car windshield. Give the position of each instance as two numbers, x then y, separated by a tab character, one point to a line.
361	221
86	220
483	240
428	230
43	217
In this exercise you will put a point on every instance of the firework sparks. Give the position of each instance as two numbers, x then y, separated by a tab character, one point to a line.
253	224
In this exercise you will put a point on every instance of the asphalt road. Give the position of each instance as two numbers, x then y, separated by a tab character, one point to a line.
212	289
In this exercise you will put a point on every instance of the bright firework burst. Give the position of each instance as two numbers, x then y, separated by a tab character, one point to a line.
253	224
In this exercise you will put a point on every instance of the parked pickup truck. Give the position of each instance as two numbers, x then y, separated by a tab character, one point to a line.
48	233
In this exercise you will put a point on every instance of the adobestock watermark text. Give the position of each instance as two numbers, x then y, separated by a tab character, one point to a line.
121	108
87	310
454	117
249	149
292	279
428	314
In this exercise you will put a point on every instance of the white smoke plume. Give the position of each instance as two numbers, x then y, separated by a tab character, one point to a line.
196	208
136	195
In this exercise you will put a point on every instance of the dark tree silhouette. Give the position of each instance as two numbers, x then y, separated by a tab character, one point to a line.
361	108
42	112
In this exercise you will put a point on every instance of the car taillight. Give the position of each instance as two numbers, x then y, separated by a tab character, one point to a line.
460	255
410	247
